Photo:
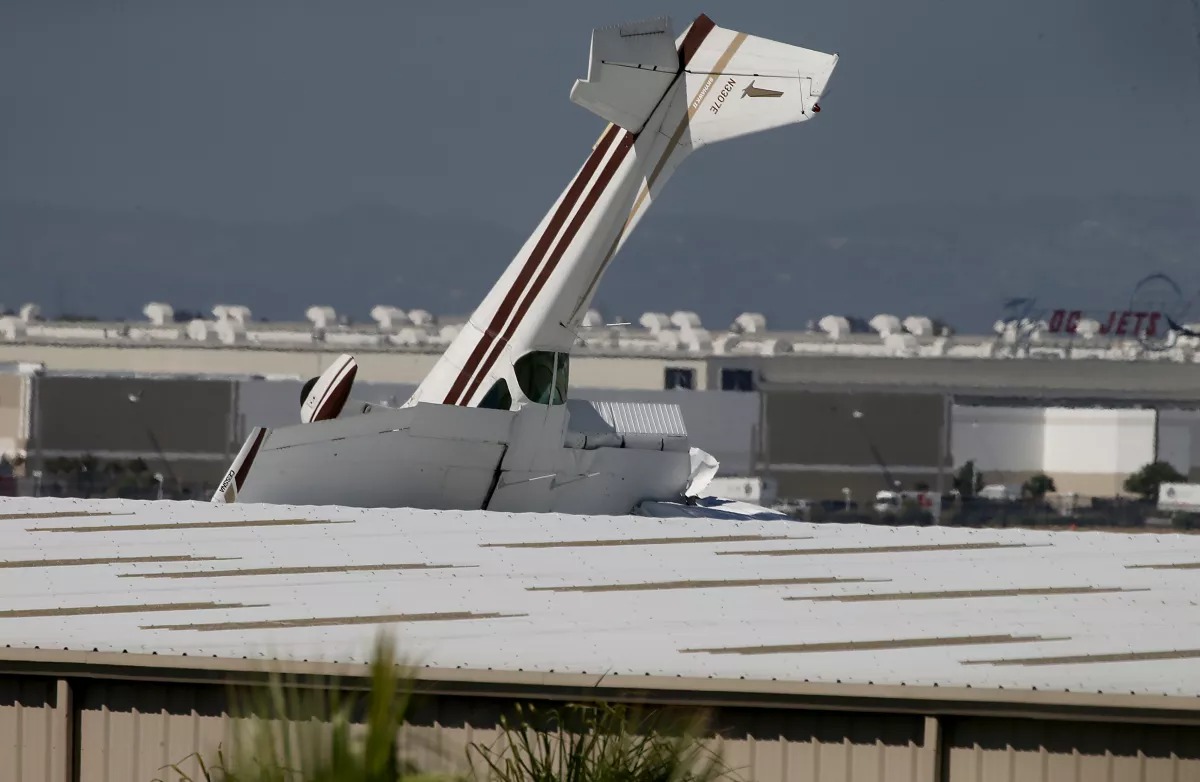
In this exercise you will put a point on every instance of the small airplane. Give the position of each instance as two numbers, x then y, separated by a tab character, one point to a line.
492	425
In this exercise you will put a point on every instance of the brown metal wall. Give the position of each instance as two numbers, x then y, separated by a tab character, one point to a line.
81	414
131	730
992	750
775	745
819	428
10	406
817	431
28	752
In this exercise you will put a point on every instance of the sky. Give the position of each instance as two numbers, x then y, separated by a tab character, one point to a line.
255	110
279	109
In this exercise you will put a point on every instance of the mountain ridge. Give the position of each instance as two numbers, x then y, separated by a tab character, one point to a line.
956	262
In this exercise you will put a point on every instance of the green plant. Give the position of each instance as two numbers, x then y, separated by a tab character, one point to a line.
968	481
1038	486
314	731
1145	481
595	744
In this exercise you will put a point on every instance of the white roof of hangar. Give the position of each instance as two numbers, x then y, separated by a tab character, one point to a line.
765	600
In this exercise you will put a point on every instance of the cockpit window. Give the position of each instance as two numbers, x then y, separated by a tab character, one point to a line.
498	397
543	376
562	374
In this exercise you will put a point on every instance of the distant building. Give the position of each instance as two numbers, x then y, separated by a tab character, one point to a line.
817	412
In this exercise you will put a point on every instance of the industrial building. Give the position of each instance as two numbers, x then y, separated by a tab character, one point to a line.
824	413
824	652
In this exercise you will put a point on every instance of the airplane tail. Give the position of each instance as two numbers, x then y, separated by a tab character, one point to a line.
740	84
726	84
733	83
663	97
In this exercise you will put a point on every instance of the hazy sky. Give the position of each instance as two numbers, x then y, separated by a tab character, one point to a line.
280	109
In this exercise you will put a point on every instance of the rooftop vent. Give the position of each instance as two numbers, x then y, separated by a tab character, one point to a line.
749	323
886	324
421	318
389	318
919	326
232	312
321	317
836	326
654	322
158	313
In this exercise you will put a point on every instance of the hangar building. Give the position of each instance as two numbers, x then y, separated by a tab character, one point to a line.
830	653
818	412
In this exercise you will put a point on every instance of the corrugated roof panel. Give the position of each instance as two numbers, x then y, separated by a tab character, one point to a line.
652	418
1018	609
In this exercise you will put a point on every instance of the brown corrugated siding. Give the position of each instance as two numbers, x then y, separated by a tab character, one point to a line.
27	741
772	746
986	750
129	730
11	409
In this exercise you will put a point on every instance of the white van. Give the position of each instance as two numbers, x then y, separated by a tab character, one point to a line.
1000	492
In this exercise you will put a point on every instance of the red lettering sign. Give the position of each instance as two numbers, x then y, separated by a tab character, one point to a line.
1120	322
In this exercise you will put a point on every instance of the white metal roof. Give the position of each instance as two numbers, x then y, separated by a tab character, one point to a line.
1084	612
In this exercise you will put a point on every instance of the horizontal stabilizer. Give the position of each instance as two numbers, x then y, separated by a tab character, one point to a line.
632	66
744	84
235	476
327	394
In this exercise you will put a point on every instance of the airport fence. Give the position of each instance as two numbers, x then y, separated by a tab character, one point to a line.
1051	512
73	487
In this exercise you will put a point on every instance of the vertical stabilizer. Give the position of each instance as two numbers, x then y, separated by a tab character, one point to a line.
662	100
632	66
